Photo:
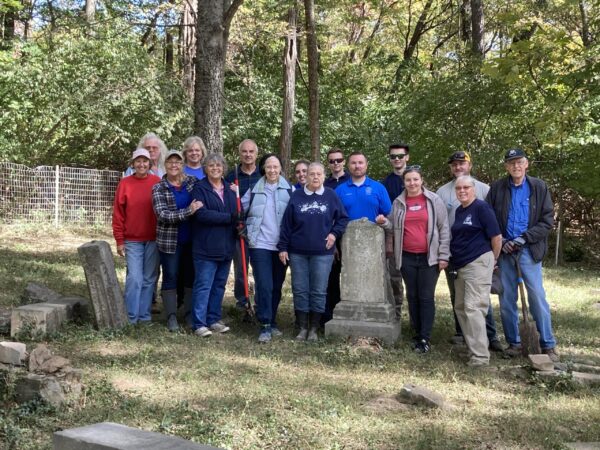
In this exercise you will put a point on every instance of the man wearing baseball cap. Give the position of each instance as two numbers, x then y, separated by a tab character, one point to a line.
460	164
525	213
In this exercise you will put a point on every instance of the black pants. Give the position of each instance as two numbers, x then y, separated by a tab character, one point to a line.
420	279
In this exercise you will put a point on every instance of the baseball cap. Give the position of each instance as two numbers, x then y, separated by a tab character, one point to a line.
514	153
459	156
140	152
174	152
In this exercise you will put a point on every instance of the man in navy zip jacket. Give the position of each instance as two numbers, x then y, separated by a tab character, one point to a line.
524	210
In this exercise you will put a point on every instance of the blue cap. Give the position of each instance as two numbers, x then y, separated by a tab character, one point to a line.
514	153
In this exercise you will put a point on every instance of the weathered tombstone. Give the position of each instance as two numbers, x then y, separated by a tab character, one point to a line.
114	436
37	318
366	308
105	291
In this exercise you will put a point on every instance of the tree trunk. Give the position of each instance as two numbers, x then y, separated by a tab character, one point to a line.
290	56
418	32
313	80
477	28
188	46
586	36
90	10
213	21
464	21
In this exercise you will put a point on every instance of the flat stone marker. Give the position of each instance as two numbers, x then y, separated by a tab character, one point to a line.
541	362
583	445
113	436
105	291
366	307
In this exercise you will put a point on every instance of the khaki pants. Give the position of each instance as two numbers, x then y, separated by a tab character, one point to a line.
472	302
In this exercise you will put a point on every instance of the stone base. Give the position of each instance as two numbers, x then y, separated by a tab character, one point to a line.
388	332
107	436
36	318
357	311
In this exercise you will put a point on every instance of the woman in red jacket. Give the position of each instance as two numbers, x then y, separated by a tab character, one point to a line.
134	229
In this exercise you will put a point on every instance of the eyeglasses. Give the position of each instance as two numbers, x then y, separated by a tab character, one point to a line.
393	156
517	162
173	163
462	188
336	161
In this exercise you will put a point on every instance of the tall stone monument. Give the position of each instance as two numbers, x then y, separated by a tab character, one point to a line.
366	308
105	291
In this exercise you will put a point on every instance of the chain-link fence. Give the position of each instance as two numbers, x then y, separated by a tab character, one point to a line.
62	195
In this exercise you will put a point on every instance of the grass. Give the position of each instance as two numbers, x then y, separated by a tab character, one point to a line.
231	392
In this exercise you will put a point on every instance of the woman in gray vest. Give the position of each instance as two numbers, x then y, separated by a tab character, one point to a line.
265	204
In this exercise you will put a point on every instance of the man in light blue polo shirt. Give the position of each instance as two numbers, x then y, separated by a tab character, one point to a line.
361	195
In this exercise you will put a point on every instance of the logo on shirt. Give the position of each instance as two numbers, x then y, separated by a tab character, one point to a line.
313	208
468	220
368	190
416	207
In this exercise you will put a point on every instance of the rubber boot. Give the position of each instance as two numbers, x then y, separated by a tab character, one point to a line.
170	304
187	306
302	318
315	321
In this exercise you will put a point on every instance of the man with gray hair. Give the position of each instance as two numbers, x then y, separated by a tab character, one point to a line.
460	164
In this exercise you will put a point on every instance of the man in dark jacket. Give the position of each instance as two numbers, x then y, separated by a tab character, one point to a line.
524	210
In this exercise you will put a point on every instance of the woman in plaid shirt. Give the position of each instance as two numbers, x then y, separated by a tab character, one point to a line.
173	205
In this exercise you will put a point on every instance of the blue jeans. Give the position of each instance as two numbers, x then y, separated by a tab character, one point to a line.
269	275
310	274
238	286
209	288
177	265
536	296
420	279
142	273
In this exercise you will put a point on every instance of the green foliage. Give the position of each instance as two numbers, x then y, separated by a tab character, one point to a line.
86	100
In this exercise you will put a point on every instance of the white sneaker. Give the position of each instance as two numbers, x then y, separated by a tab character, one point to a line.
202	332
219	327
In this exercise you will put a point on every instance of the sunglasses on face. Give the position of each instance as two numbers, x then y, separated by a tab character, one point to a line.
336	161
397	156
415	168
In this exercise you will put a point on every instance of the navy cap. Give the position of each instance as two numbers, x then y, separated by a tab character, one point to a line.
459	156
514	153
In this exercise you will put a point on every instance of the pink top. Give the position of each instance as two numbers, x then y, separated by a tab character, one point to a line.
415	225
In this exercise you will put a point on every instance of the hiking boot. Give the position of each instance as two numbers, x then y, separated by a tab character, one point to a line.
475	363
202	332
513	350
552	354
422	347
219	327
496	346
172	324
313	332
276	332
264	336
302	320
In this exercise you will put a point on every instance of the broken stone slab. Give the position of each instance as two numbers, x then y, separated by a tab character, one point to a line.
418	395
586	368
583	445
38	293
586	379
75	307
33	386
42	360
13	353
36	318
366	295
541	362
106	296
114	436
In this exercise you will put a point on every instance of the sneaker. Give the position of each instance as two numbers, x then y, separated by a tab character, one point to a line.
496	346
473	362
552	354
202	332
422	347
265	336
513	350
219	327
276	332
414	341
457	339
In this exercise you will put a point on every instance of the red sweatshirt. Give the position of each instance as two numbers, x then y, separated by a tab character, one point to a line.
133	216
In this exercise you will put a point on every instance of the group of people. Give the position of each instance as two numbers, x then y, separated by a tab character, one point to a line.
186	210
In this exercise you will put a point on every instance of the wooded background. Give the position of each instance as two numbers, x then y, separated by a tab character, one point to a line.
81	81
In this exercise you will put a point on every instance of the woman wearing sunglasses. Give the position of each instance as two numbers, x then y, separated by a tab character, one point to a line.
419	225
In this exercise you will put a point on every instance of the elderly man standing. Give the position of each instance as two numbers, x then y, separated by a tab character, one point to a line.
460	165
394	184
248	175
524	210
